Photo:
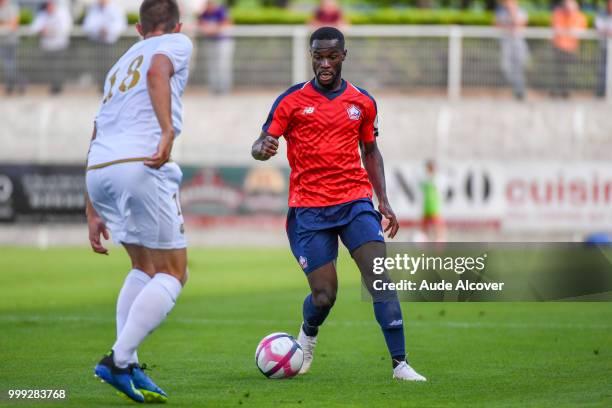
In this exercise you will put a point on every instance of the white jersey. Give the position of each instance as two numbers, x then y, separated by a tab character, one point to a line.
126	124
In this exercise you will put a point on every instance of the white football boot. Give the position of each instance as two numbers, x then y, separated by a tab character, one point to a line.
308	344
404	372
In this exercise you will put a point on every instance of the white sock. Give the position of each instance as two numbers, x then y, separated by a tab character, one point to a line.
149	309
134	282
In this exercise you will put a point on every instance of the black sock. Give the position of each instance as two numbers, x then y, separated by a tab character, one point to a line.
396	360
310	330
314	316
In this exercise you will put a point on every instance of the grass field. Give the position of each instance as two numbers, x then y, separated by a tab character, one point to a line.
57	319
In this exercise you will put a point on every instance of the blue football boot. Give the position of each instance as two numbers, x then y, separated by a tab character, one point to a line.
150	390
120	378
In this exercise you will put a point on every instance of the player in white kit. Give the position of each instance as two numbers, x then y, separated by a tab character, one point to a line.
133	188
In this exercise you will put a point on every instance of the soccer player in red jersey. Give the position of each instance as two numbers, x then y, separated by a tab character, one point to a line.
326	122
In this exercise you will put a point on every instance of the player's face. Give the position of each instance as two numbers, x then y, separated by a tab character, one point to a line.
327	59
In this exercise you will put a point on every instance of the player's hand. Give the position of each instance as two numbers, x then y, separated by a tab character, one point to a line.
96	229
164	149
387	212
268	148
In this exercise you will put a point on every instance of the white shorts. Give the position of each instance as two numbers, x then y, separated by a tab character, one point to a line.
139	205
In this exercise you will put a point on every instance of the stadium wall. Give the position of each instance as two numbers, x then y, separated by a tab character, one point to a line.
220	129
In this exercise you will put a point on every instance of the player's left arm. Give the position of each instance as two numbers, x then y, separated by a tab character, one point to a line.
266	146
95	224
374	166
158	84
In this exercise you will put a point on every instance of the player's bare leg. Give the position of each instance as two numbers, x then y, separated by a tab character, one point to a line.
140	258
386	309
323	283
172	262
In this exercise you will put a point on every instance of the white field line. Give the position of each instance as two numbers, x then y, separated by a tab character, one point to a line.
249	322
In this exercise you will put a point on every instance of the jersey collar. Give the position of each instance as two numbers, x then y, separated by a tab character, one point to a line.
329	94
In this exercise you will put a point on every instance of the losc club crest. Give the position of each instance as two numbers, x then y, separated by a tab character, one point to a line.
303	262
353	113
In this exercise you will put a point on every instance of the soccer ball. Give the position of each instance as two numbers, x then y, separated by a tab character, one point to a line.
279	355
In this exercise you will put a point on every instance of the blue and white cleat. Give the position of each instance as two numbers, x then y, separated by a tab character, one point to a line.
150	390
119	378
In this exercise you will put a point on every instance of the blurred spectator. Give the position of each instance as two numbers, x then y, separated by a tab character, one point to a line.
104	23
514	51
432	223
567	21
9	24
218	46
603	23
53	24
328	13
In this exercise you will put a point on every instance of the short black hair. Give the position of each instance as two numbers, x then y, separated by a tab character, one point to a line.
328	33
155	13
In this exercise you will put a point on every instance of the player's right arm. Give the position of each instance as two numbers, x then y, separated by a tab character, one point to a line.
276	124
158	84
264	147
95	224
96	227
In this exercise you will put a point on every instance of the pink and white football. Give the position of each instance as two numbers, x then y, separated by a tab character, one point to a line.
279	355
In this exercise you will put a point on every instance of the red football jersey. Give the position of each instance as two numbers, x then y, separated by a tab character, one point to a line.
323	131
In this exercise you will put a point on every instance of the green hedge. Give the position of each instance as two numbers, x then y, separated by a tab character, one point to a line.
132	18
381	16
387	16
25	17
270	15
423	16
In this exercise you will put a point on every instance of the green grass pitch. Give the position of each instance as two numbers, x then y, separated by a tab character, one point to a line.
57	319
